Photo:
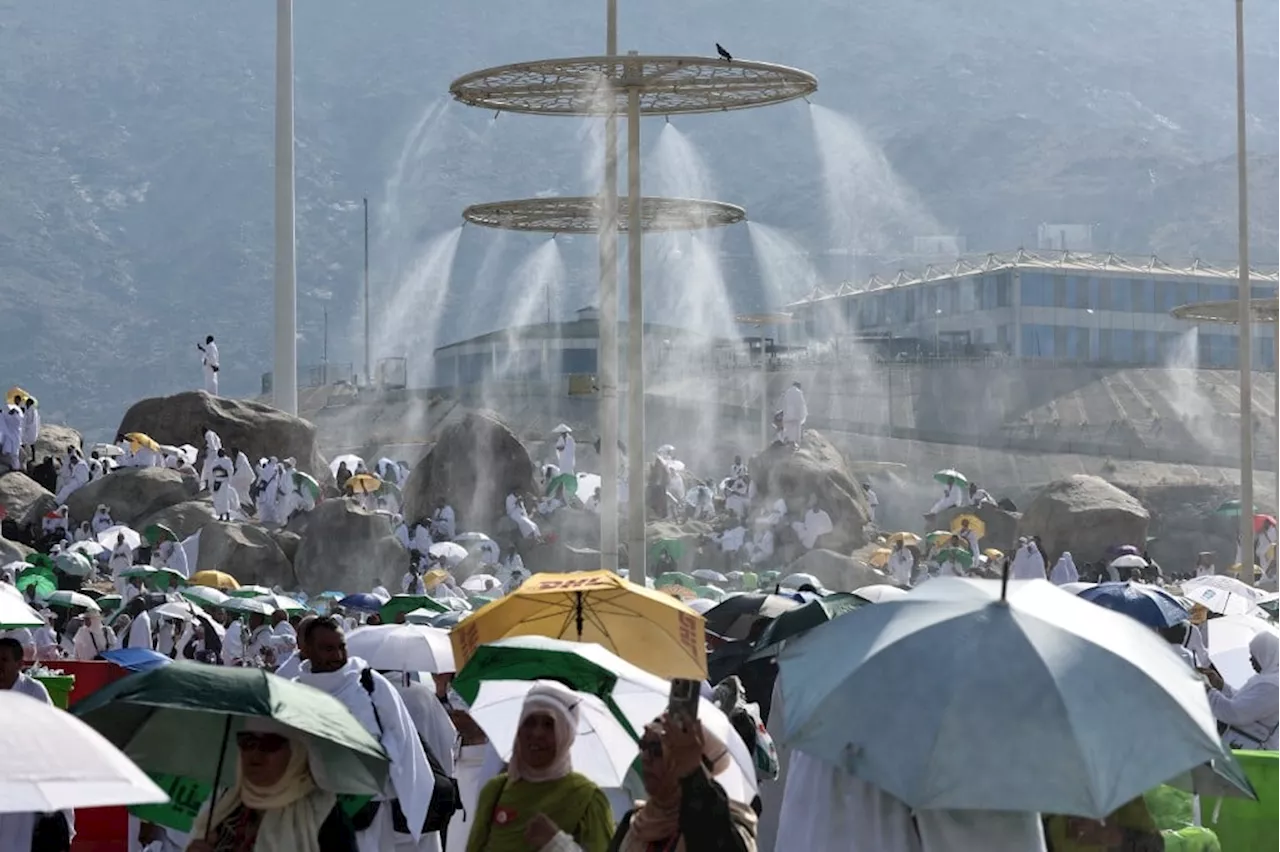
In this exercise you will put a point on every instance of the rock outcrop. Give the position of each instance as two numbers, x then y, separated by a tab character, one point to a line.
132	493
247	552
816	469
837	572
54	440
1002	526
475	463
24	500
1085	515
12	551
345	547
252	427
184	518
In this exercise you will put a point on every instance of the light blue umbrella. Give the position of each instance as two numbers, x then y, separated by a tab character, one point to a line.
960	697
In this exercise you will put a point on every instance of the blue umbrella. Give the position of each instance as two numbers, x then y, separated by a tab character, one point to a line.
363	601
332	596
910	695
1148	604
136	659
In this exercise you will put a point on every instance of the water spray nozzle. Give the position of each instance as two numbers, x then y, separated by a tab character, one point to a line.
496	113
806	100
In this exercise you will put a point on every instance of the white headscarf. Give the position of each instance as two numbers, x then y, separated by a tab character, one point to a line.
561	704
1064	570
1265	648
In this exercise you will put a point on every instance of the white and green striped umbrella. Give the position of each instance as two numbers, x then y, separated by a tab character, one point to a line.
72	599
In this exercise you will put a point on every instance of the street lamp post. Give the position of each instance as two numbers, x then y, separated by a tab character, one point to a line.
284	380
1246	323
607	353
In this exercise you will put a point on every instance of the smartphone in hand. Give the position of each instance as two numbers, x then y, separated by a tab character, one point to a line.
683	698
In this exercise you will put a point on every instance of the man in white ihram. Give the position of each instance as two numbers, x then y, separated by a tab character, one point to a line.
382	712
794	414
209	361
566	450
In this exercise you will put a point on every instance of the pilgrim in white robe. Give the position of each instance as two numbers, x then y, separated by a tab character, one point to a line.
443	523
268	492
873	502
76	478
11	436
736	497
225	498
970	538
901	565
760	548
92	638
1064	570
816	524
731	540
952	495
31	427
566	453
1027	564
516	512
101	520
794	414
140	632
990	831
400	531
211	365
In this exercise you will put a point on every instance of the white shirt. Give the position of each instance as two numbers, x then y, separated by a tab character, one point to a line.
210	358
32	687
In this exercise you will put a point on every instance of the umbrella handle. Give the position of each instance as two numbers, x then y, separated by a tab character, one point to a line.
1004	580
213	796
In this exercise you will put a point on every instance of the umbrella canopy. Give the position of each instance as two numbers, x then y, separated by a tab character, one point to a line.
633	695
16	393
648	628
283	602
1231	508
1129	560
706	575
55	761
447	552
481	583
451	619
71	600
205	595
951	477
364	483
106	537
178	720
803	619
994	554
1150	605
938	538
363	601
702	606
136	659
15	613
307	484
153	534
143	571
879	557
403	648
955	554
44	585
353	461
1226	584
712	593
908	539
215	580
164	579
976	524
567	481
73	564
675	578
911	695
109	603
138	440
1260	521
249	606
1076	588
879	593
249	591
467	539
423	616
1228	642
795	581
736	617
409	603
1223	603
88	549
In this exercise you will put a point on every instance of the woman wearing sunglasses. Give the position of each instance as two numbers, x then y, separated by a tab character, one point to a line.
274	804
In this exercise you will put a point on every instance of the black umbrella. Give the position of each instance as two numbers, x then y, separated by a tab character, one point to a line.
735	617
804	618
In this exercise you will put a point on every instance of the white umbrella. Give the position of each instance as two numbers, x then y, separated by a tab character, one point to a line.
795	581
206	595
53	761
1129	560
420	616
588	484
1229	638
702	605
106	451
107	538
880	592
1076	588
1223	603
561	429
72	599
1226	584
481	583
447	552
403	647
15	613
602	750
469	538
90	549
706	575
283	602
353	461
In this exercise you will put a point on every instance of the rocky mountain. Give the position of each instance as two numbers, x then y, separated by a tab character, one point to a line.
136	160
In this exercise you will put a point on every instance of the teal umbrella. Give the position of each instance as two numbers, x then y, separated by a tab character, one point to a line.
73	564
180	720
951	476
955	554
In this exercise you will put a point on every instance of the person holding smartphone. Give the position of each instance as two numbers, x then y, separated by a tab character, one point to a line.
1250	715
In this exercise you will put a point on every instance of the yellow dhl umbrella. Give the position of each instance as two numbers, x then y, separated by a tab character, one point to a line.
975	524
880	557
993	554
908	539
364	483
141	439
16	393
214	580
643	626
434	577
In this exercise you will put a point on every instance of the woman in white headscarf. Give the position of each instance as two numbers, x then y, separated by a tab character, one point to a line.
101	519
274	804
1064	570
1027	564
1251	713
540	801
92	638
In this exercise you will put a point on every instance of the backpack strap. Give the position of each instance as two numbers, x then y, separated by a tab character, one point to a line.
366	680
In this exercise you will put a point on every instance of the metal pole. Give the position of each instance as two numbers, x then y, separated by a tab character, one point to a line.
764	392
368	356
284	382
635	328
1246	319
607	353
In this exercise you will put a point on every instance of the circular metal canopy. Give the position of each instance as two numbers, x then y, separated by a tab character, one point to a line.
669	85
581	214
1263	310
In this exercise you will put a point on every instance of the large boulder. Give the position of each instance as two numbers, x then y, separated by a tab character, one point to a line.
53	440
475	463
132	493
838	573
12	551
817	469
1085	515
246	552
256	429
24	500
345	547
690	535
1001	526
184	518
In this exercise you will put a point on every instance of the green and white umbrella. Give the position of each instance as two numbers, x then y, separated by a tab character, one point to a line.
44	585
73	564
283	602
69	600
251	606
15	613
205	595
950	476
250	592
156	533
165	579
180	719
110	603
306	484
